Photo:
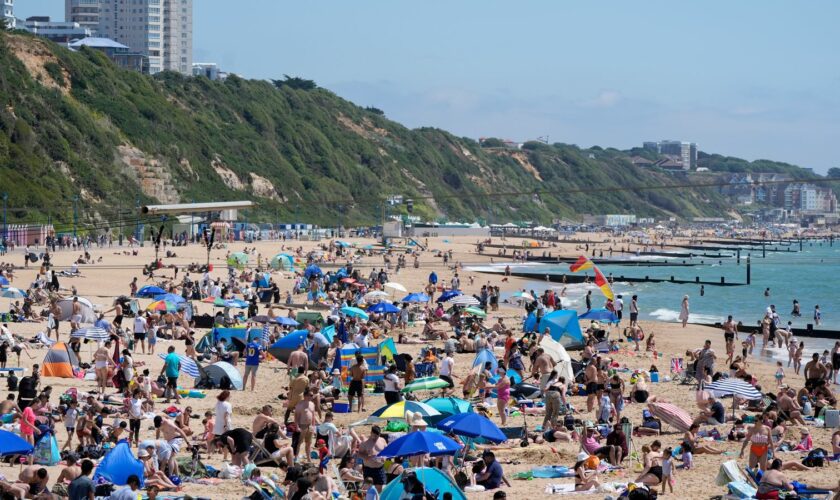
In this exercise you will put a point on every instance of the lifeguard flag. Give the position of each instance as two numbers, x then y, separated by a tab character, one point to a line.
582	264
603	284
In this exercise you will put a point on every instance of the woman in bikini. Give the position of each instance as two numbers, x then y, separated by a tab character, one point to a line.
759	439
502	392
697	445
652	459
617	395
586	477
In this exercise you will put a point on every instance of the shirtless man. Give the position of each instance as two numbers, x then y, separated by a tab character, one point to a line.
298	362
789	409
296	388
34	480
101	360
76	318
262	421
70	472
174	436
373	466
814	370
590	379
9	405
543	364
55	310
357	383
305	421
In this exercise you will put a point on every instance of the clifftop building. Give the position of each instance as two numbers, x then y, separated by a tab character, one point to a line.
160	29
84	12
58	32
7	12
683	152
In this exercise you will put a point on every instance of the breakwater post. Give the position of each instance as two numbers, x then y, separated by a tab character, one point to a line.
739	256
748	270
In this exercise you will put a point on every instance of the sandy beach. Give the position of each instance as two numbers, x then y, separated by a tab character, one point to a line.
103	281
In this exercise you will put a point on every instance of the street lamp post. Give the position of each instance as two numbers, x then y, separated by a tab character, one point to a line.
75	214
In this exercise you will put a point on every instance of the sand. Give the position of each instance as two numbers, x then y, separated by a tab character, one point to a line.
103	281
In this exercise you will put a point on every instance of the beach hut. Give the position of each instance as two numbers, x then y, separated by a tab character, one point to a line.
565	328
220	369
432	479
60	361
118	464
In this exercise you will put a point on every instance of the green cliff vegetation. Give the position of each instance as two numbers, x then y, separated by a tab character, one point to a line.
74	125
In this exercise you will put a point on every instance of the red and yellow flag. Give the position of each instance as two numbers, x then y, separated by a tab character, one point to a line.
583	264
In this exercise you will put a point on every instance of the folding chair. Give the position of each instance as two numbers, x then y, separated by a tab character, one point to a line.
260	456
347	488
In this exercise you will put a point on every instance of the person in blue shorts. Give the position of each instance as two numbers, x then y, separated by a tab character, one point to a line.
253	351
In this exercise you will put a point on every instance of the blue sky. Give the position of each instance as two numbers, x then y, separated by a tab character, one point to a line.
753	78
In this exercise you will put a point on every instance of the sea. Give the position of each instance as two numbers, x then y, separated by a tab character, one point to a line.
811	276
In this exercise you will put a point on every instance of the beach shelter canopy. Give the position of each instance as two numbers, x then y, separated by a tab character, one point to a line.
312	316
560	356
12	293
46	450
221	368
312	270
262	280
87	312
432	479
398	410
486	356
60	361
118	464
384	308
472	425
420	443
283	262
565	328
149	291
601	314
671	414
238	260
12	444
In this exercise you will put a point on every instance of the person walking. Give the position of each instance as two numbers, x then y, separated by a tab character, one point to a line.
684	311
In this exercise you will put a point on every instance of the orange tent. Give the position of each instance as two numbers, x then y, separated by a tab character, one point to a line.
60	361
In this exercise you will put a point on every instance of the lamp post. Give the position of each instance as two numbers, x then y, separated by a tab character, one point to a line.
75	213
5	227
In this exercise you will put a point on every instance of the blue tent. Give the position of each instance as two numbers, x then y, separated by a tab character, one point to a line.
602	315
12	444
312	270
530	323
118	464
432	479
261	280
415	298
288	344
219	369
565	328
486	356
150	291
383	308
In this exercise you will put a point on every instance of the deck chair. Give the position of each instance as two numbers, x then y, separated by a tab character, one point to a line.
347	488
424	369
261	457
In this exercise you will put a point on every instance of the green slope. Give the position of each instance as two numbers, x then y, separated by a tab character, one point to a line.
72	124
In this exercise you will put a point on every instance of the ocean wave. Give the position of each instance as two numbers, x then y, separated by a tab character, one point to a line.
670	315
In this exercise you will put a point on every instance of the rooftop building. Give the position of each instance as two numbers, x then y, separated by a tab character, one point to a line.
56	31
84	12
7	12
684	152
120	54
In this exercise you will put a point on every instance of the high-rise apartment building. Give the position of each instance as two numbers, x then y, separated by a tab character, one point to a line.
84	12
161	29
7	9
685	152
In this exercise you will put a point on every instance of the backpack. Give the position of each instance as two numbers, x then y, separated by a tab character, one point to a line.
225	384
815	458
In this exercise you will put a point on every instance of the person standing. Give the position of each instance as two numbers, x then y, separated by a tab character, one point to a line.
619	308
447	371
684	311
305	422
392	386
357	382
373	466
589	301
140	326
172	369
817	315
634	310
253	351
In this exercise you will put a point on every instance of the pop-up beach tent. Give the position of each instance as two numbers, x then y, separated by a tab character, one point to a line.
287	345
60	361
433	481
565	328
86	310
118	464
220	369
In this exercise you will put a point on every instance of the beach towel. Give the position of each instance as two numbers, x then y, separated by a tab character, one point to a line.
551	472
569	489
741	489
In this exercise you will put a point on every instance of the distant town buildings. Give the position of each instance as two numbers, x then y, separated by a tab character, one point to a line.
679	152
610	220
160	29
56	31
84	12
208	70
7	9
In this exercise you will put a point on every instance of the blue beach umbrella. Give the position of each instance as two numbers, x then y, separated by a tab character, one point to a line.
565	328
414	298
447	295
4	281
312	270
420	443
472	425
286	321
12	444
150	291
450	406
355	312
601	314
171	297
384	308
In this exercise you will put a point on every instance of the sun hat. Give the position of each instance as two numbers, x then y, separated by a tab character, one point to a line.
336	372
415	419
142	454
582	456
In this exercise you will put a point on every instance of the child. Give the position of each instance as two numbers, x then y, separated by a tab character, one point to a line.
668	470
780	374
70	423
370	489
604	406
323	452
687	456
209	423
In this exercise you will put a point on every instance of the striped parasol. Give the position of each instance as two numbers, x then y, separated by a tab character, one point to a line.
671	414
188	365
464	300
733	386
92	333
266	334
